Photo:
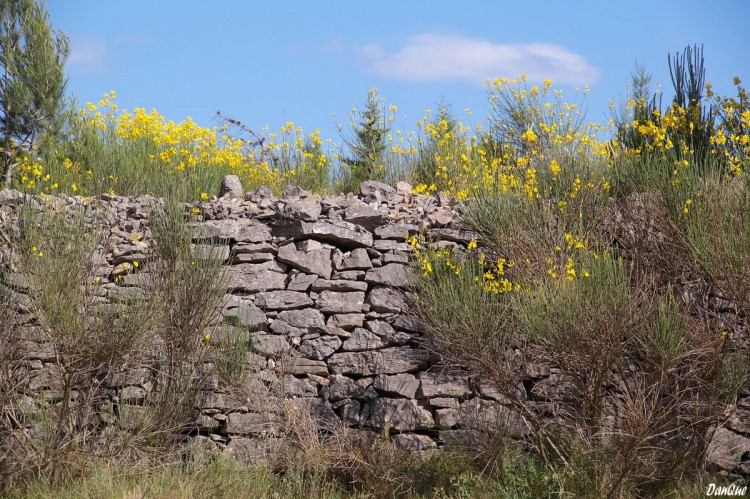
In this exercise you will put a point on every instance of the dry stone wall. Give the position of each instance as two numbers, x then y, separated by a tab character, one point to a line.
319	286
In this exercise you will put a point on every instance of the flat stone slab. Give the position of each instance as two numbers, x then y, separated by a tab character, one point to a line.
444	383
398	232
339	232
242	230
361	339
385	299
265	280
282	300
404	385
305	318
393	360
392	274
341	303
365	215
338	285
301	365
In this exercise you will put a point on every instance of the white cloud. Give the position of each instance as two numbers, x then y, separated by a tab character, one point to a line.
433	57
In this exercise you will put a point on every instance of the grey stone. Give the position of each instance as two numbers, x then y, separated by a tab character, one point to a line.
231	187
404	385
140	279
299	387
273	266
392	360
129	258
282	300
339	232
395	258
301	365
242	248
488	415
399	414
265	280
338	285
365	215
251	258
351	275
120	294
413	442
409	322
252	424
333	302
304	318
448	417
372	186
349	411
316	261
247	314
398	232
242	230
320	410
295	192
386	299
393	274
489	390
299	281
381	328
131	248
403	187
219	401
307	210
341	387
282	327
454	235
362	339
726	450
346	321
253	449
205	423
358	259
269	344
389	245
444	382
440	217
320	348
445	402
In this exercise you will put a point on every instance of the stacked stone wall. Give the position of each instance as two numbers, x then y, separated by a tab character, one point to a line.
319	287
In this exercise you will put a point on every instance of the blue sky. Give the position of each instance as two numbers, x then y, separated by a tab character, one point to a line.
264	62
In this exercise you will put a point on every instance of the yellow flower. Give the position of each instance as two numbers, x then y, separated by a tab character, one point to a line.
554	168
135	263
204	196
472	245
74	187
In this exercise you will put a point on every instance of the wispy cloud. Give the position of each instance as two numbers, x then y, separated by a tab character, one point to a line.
88	55
434	57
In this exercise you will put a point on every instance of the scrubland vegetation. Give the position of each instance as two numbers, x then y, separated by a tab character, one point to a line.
601	249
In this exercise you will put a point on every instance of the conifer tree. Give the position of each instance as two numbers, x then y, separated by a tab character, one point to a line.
369	142
32	80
